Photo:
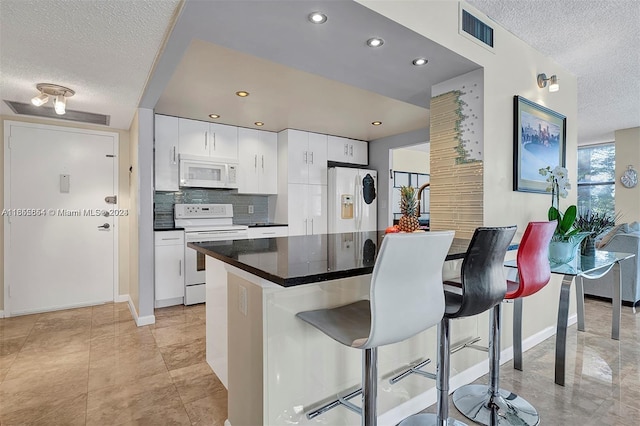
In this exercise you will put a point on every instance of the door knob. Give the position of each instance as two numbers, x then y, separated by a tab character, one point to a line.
105	226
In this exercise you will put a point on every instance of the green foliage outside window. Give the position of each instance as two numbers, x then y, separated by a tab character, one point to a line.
596	179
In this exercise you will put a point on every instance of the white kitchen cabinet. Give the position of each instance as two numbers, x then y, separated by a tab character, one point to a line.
258	159
166	153
169	268
223	141
306	156
344	150
307	209
268	232
208	139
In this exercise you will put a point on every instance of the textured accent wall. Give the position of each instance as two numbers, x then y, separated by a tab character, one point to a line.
163	203
456	170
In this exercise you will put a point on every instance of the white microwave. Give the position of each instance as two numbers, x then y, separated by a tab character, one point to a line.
205	172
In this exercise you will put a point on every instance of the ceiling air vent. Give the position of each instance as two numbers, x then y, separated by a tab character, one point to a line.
476	29
80	116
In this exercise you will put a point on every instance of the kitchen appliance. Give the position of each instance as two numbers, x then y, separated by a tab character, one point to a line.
352	202
205	172
204	223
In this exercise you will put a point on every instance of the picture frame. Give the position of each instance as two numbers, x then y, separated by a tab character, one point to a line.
539	140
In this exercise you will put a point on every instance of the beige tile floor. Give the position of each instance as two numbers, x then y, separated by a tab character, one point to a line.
93	366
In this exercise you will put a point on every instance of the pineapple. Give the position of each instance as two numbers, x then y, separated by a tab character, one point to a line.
409	208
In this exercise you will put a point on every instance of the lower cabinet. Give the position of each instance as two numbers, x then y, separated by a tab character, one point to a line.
169	268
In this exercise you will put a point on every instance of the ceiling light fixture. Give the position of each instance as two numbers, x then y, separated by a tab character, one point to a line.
242	94
375	42
377	123
554	86
59	94
317	18
419	62
259	123
214	116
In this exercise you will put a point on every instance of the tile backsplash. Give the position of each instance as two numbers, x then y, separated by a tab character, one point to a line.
163	204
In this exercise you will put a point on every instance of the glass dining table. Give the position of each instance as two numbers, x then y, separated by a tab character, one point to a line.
582	267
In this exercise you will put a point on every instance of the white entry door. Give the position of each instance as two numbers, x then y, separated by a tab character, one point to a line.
60	245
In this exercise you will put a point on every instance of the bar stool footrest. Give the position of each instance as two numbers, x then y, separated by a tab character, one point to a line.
341	400
428	419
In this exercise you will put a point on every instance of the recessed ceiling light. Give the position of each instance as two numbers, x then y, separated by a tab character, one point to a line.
419	62
375	42
259	123
377	123
214	116
317	18
242	94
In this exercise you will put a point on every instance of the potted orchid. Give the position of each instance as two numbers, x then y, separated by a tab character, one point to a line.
567	237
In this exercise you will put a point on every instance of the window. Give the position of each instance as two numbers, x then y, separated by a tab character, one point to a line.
410	179
596	178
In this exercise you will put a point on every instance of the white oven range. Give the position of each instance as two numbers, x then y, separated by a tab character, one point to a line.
204	223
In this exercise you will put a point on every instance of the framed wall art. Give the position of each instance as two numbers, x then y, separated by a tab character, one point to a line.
539	140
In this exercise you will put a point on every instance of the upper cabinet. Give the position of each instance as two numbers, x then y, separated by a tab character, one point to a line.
258	171
166	153
344	150
306	155
208	139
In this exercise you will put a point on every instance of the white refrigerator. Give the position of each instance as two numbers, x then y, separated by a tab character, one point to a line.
352	199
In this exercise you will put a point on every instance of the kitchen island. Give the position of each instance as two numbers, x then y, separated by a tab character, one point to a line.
277	367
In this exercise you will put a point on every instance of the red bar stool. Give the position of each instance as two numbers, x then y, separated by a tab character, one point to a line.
490	405
405	299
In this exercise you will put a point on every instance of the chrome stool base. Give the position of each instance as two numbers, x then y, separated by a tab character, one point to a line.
428	419
475	402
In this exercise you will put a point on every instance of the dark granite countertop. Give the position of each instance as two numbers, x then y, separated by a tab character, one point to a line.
263	224
168	229
304	259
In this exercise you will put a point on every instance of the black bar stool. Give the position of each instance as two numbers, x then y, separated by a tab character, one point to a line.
483	286
406	298
477	402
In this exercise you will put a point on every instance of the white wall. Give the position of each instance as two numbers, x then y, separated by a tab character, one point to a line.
627	153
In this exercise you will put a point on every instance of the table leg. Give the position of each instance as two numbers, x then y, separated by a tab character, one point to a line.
561	329
580	302
617	302
517	333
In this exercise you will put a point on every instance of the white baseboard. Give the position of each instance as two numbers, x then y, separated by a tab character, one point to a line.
121	298
430	397
140	321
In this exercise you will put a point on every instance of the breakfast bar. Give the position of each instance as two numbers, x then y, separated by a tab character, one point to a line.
276	367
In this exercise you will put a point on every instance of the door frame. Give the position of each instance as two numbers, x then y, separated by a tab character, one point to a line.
7	199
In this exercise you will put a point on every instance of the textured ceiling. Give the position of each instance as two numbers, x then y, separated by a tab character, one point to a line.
598	41
104	50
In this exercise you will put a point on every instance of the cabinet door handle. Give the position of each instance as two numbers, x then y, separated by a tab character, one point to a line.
180	267
346	149
311	226
174	155
311	157
305	227
263	163
168	239
214	141
305	157
268	233
206	138
255	161
351	150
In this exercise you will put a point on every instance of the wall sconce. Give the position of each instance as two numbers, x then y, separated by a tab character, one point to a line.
59	94
553	82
